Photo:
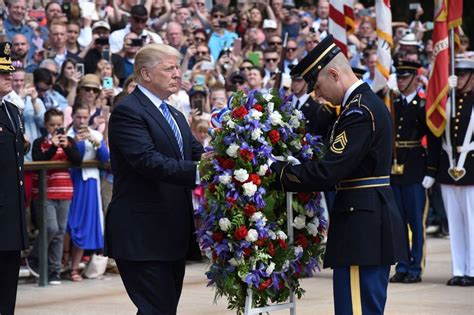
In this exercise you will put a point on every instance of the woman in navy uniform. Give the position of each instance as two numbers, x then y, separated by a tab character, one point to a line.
13	236
366	231
410	167
455	151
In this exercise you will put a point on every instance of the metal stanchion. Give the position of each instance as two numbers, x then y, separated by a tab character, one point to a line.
43	230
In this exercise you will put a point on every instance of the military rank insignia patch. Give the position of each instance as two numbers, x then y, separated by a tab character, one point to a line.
339	143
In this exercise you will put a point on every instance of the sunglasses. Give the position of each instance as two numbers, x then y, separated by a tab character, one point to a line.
89	89
55	74
290	49
238	81
201	53
218	16
271	59
275	43
139	19
40	89
245	68
199	39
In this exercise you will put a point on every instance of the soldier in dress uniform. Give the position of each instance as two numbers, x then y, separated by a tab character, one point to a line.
13	237
456	174
366	230
411	167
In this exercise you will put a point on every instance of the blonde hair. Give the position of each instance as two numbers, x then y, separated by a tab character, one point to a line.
150	55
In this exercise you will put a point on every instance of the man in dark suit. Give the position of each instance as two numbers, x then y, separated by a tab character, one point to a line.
149	225
366	231
13	236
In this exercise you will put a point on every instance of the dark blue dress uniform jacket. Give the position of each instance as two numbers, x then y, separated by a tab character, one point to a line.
410	128
13	235
150	217
365	226
319	118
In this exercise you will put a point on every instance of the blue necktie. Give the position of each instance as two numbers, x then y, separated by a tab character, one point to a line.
174	127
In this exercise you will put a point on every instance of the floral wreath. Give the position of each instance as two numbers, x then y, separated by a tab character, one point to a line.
243	220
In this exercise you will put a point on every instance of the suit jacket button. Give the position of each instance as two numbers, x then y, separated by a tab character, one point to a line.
21	183
351	209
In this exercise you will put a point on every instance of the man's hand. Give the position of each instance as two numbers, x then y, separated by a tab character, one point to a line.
63	142
55	140
428	182
453	81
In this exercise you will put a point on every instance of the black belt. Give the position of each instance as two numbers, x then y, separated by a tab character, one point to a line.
367	182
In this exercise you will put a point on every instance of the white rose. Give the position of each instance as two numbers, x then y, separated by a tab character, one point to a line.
232	150
252	235
281	235
270	107
255	114
298	113
224	224
309	213
271	235
258	216
234	262
270	269
298	250
312	228
286	265
230	124
225	179
299	222
241	175
309	151
249	189
294	122
268	97
275	118
256	133
262	170
296	144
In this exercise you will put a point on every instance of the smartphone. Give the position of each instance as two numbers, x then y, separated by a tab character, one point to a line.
187	76
137	42
106	54
364	12
198	104
80	68
101	41
108	83
237	46
254	57
60	131
28	78
429	26
199	80
66	8
223	24
49	54
414	6
207	65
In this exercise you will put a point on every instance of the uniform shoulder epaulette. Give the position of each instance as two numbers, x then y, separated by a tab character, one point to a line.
355	100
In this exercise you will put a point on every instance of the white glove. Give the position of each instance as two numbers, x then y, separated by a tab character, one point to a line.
452	81
427	182
293	161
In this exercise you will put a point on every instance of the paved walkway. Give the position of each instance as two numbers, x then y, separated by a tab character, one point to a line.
107	296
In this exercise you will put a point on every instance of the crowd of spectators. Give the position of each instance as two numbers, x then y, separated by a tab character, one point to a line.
74	60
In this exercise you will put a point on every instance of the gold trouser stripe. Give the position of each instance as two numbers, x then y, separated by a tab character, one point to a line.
355	291
425	215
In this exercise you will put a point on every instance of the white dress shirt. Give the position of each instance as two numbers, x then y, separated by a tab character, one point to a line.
350	90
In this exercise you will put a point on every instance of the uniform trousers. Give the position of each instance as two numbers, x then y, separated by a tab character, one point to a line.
459	206
360	290
412	202
9	271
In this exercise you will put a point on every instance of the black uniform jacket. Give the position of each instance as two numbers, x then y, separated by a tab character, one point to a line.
458	126
150	217
410	128
319	118
365	226
13	235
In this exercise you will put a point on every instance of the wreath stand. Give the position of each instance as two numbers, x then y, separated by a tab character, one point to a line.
291	304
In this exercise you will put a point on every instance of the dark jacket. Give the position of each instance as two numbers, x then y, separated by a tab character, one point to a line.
150	217
13	235
458	129
365	226
410	128
319	118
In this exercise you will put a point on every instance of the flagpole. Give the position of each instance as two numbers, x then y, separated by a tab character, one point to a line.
453	90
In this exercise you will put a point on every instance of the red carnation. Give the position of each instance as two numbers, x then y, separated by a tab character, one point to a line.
217	236
246	155
303	197
247	251
302	241
249	210
239	112
271	249
228	164
274	136
260	242
254	178
282	244
316	239
258	107
212	188
230	200
240	233
214	255
265	284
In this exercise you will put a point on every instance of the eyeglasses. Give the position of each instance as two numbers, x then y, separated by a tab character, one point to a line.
312	42
271	59
245	68
139	19
274	43
199	39
89	89
218	16
55	74
201	53
40	89
238	81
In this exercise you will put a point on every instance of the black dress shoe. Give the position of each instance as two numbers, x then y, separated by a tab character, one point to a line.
454	281
398	277
467	281
412	279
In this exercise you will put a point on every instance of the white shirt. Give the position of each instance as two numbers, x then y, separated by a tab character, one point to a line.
350	90
303	98
409	97
116	38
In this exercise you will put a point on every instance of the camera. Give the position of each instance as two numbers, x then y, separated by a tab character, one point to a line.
137	42
101	41
289	4
60	131
222	24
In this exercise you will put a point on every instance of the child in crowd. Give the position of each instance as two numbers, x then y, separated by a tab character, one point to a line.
56	146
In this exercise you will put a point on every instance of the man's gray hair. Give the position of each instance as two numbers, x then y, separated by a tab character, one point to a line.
150	55
47	62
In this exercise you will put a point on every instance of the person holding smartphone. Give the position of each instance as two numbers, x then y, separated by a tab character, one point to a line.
55	146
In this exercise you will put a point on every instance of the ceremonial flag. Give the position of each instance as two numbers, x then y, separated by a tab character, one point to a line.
349	16
337	24
437	92
384	44
455	19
